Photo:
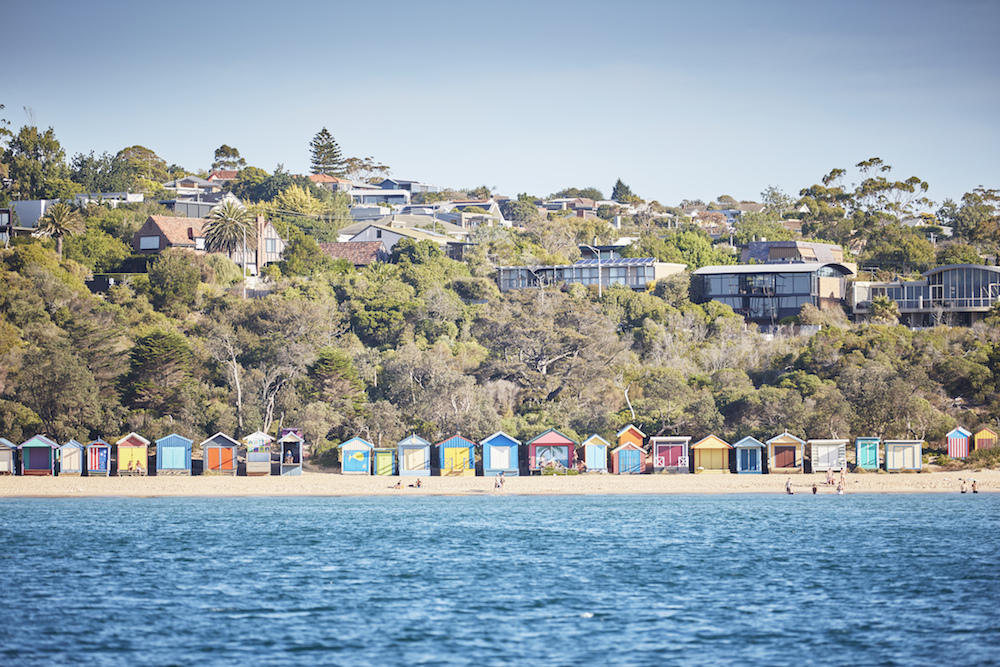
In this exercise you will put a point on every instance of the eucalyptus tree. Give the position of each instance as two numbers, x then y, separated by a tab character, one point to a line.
58	222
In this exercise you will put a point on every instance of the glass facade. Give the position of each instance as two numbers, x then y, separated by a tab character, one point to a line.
954	288
771	294
634	273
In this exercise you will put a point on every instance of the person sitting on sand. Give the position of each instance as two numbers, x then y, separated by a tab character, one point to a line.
399	484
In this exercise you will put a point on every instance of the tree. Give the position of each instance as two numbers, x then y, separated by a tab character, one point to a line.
59	221
482	192
228	158
230	226
173	281
883	310
623	194
57	385
36	163
106	173
148	164
160	370
582	193
365	170
775	202
327	157
977	219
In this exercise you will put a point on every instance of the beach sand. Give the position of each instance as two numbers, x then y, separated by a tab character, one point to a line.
323	484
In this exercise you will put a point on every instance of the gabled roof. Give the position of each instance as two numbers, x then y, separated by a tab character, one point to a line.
500	434
292	437
711	442
456	441
787	437
220	438
327	178
223	175
131	436
356	443
258	435
194	180
598	441
748	441
628	445
543	434
413	440
960	431
179	231
173	438
4	442
39	441
73	443
356	252
630	427
99	442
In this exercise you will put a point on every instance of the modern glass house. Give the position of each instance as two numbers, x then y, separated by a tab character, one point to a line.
768	293
634	272
957	294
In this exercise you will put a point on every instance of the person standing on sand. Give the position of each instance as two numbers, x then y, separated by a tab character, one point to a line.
840	489
788	487
963	489
815	488
975	489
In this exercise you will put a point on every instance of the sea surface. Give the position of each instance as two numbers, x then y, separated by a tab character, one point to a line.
502	580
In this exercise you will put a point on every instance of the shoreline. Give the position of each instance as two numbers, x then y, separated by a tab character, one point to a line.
333	485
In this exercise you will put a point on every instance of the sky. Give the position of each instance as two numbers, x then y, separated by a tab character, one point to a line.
680	100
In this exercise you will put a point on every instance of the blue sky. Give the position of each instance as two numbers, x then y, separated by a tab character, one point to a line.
679	100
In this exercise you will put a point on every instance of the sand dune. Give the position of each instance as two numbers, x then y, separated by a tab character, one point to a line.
320	484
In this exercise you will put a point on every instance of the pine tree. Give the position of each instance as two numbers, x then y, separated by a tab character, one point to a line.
326	155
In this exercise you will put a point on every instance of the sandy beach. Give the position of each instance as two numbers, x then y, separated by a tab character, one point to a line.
323	484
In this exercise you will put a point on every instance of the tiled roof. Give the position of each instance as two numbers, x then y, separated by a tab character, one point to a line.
326	178
358	253
179	231
223	175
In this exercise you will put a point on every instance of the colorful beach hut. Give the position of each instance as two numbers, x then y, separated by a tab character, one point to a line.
8	457
903	454
98	458
457	457
986	438
414	455
356	456
828	455
551	449
785	454
38	456
749	456
258	454
133	454
384	461
173	455
221	455
290	447
958	441
711	455
670	453
594	451
71	459
500	455
632	434
628	458
866	452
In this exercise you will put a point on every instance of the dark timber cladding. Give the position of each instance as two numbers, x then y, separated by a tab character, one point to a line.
771	292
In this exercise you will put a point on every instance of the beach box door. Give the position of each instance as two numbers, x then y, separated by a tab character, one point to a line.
630	461
173	458
6	461
356	461
383	463
71	458
38	458
594	458
499	457
415	459
867	454
784	456
456	458
829	456
749	459
220	458
98	458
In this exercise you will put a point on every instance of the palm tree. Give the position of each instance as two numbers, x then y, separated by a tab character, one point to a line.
229	226
60	220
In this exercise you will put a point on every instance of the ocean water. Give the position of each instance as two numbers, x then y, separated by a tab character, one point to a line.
502	580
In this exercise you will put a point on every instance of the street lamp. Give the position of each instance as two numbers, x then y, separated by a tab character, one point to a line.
600	291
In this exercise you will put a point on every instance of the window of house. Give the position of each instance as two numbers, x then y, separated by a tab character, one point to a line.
199	243
149	243
271	245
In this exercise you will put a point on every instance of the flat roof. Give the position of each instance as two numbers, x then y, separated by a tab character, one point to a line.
810	267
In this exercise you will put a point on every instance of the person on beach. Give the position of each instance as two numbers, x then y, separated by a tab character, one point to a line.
418	483
840	489
288	457
815	488
399	484
975	489
963	489
131	468
829	477
788	487
503	479
843	476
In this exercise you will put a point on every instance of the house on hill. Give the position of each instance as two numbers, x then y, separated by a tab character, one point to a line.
160	232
